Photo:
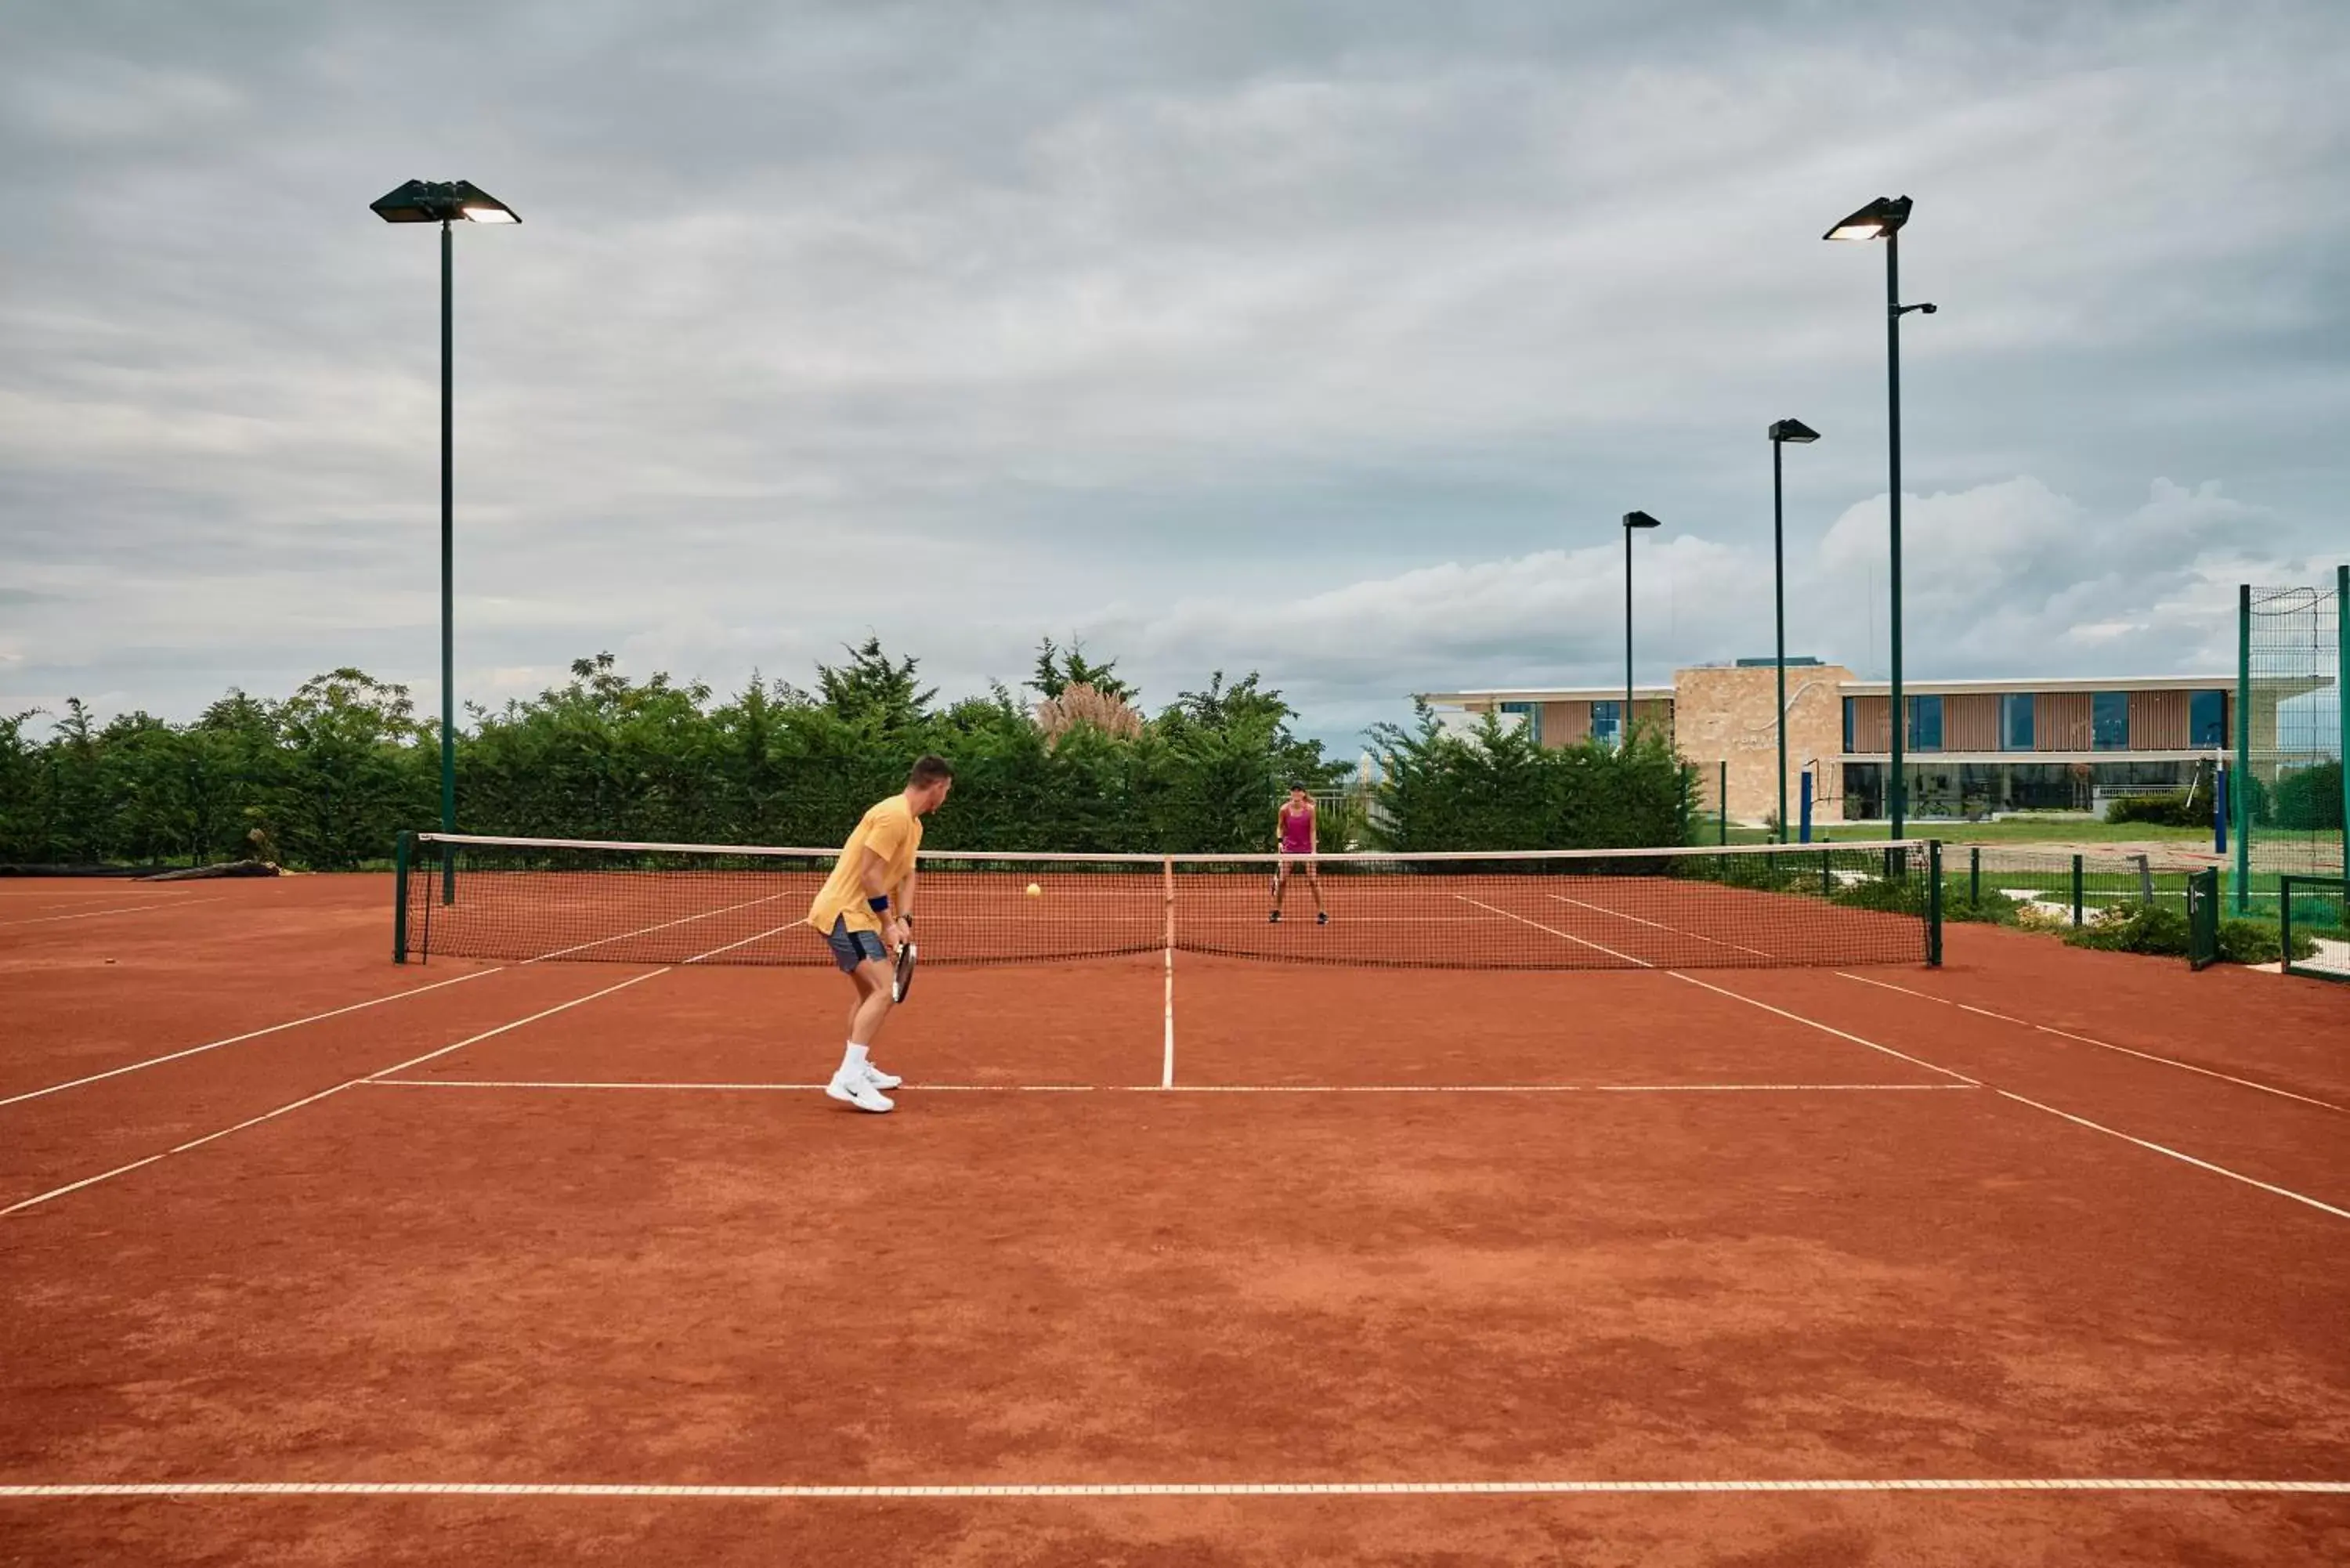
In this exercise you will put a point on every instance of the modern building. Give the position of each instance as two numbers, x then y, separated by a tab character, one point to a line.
1973	747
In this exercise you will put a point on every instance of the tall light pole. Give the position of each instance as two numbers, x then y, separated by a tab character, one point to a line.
445	203
1784	431
1631	519
1882	220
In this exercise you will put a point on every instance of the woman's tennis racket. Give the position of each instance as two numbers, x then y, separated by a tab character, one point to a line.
901	981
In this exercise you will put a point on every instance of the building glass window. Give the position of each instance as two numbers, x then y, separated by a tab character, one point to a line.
1848	725
1607	725
1926	723
2109	720
2015	721
1531	713
2207	718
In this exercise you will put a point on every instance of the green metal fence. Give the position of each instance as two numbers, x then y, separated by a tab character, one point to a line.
2317	908
2290	791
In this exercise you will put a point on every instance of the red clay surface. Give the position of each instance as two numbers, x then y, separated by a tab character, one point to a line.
1661	1233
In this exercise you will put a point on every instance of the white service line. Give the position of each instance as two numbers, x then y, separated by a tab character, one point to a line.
2187	1159
1826	1029
1657	924
384	1083
1081	1490
2101	1045
746	941
505	1028
1691	980
118	910
312	1099
1553	931
238	1039
681	921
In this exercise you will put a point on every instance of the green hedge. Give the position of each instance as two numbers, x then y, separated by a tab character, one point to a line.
325	778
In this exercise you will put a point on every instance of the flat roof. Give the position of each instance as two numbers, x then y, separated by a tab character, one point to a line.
1911	687
1545	694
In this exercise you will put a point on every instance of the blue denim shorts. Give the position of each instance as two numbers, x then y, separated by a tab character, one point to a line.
850	949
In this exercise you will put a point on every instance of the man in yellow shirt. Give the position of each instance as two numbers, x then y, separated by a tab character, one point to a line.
866	909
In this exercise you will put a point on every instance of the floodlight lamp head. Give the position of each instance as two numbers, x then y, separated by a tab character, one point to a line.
442	202
1879	220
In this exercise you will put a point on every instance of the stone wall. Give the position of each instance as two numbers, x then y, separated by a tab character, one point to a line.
1730	715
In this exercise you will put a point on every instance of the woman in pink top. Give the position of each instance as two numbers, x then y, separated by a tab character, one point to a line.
1295	819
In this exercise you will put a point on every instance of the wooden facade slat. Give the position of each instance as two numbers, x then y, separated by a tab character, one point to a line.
1971	723
1565	723
1872	726
2158	721
2061	721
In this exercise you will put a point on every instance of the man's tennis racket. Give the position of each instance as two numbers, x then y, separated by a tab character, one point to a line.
901	981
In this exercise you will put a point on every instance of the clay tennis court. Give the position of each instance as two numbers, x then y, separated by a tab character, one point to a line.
312	1258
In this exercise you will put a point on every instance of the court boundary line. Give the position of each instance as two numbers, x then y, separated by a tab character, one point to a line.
122	909
2184	1484
56	1192
712	1086
2101	1045
249	1035
2180	1155
1658	925
2174	1154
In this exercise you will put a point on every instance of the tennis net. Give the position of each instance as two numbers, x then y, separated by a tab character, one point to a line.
1725	907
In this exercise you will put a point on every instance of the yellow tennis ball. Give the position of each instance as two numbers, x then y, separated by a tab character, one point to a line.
1035	891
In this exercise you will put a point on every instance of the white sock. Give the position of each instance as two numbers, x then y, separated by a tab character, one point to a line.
854	1061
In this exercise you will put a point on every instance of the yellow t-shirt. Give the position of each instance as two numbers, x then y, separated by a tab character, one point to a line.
890	830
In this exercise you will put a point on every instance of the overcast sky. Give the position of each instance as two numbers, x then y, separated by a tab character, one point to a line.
1329	340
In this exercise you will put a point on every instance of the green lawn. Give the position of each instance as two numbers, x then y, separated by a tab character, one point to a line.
2015	830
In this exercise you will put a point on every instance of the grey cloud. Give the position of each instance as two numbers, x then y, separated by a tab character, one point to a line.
965	324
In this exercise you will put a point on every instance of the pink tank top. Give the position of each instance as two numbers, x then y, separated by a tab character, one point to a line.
1297	831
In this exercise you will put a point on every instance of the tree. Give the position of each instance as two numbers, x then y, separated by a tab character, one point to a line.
1059	668
874	690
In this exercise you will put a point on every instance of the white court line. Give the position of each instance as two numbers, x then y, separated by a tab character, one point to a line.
1829	1029
2101	1045
1184	1088
118	910
746	941
2035	1105
2188	1158
681	921
312	1099
1168	1489
1792	1017
235	1039
1655	925
1611	952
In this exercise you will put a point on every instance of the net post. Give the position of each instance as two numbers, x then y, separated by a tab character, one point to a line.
1933	903
2242	791
2203	918
400	846
2076	889
1827	872
2284	923
2342	701
1167	1065
1722	804
1974	873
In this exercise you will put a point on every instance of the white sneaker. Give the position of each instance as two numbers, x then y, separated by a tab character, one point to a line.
856	1091
880	1079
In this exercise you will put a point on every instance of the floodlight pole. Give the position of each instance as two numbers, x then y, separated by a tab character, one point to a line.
1624	730
448	568
1898	794
1778	614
